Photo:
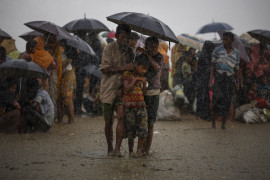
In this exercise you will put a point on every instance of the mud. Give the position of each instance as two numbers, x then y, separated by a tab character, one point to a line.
187	149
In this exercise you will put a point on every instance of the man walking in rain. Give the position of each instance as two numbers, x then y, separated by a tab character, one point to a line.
117	57
225	71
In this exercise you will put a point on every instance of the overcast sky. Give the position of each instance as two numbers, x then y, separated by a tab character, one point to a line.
182	16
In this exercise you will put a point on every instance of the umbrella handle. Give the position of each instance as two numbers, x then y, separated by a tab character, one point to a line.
47	39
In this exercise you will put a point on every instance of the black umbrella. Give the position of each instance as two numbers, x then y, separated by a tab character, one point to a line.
260	35
30	35
20	68
48	27
214	27
80	44
3	34
85	24
144	24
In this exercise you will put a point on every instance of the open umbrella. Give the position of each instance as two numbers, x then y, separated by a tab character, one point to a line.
78	43
260	35
48	27
214	27
3	34
191	41
20	68
28	36
144	24
85	24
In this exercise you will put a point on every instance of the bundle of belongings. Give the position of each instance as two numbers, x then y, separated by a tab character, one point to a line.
255	112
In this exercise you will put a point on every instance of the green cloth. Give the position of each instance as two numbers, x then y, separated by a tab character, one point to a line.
14	54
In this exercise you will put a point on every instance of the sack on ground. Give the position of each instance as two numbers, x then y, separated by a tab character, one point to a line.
166	108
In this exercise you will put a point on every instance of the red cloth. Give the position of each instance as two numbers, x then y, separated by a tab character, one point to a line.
261	103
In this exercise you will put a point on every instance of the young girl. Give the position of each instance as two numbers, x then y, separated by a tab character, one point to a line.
135	109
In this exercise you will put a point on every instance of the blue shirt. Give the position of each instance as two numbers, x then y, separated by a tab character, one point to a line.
263	90
227	63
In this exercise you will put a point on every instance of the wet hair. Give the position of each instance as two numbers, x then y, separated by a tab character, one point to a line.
229	34
134	36
142	60
122	28
3	53
31	44
151	40
191	49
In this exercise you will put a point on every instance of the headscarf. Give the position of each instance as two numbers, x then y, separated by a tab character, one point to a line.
204	61
163	49
177	52
41	56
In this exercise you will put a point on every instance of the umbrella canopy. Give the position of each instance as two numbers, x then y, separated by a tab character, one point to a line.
214	27
247	40
28	36
260	35
48	27
144	24
3	34
85	24
80	44
191	41
19	68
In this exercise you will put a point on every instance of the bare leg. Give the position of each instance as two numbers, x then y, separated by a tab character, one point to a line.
70	109
217	118
149	138
119	128
60	113
140	146
109	133
130	145
223	123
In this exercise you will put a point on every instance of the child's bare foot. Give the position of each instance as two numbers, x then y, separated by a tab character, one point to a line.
118	154
214	125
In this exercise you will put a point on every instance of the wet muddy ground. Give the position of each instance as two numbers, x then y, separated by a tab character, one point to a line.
187	149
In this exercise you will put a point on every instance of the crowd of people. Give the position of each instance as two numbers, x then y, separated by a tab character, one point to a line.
216	80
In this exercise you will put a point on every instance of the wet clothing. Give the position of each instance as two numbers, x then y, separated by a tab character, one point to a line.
263	91
46	106
222	93
153	76
226	63
152	103
41	56
151	97
164	79
68	84
136	122
113	57
135	97
177	52
202	80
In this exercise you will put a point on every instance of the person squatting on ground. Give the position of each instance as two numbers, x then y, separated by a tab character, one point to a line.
225	71
9	107
37	107
134	106
117	57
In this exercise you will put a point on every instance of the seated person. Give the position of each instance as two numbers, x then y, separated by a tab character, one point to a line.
263	88
38	108
9	107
